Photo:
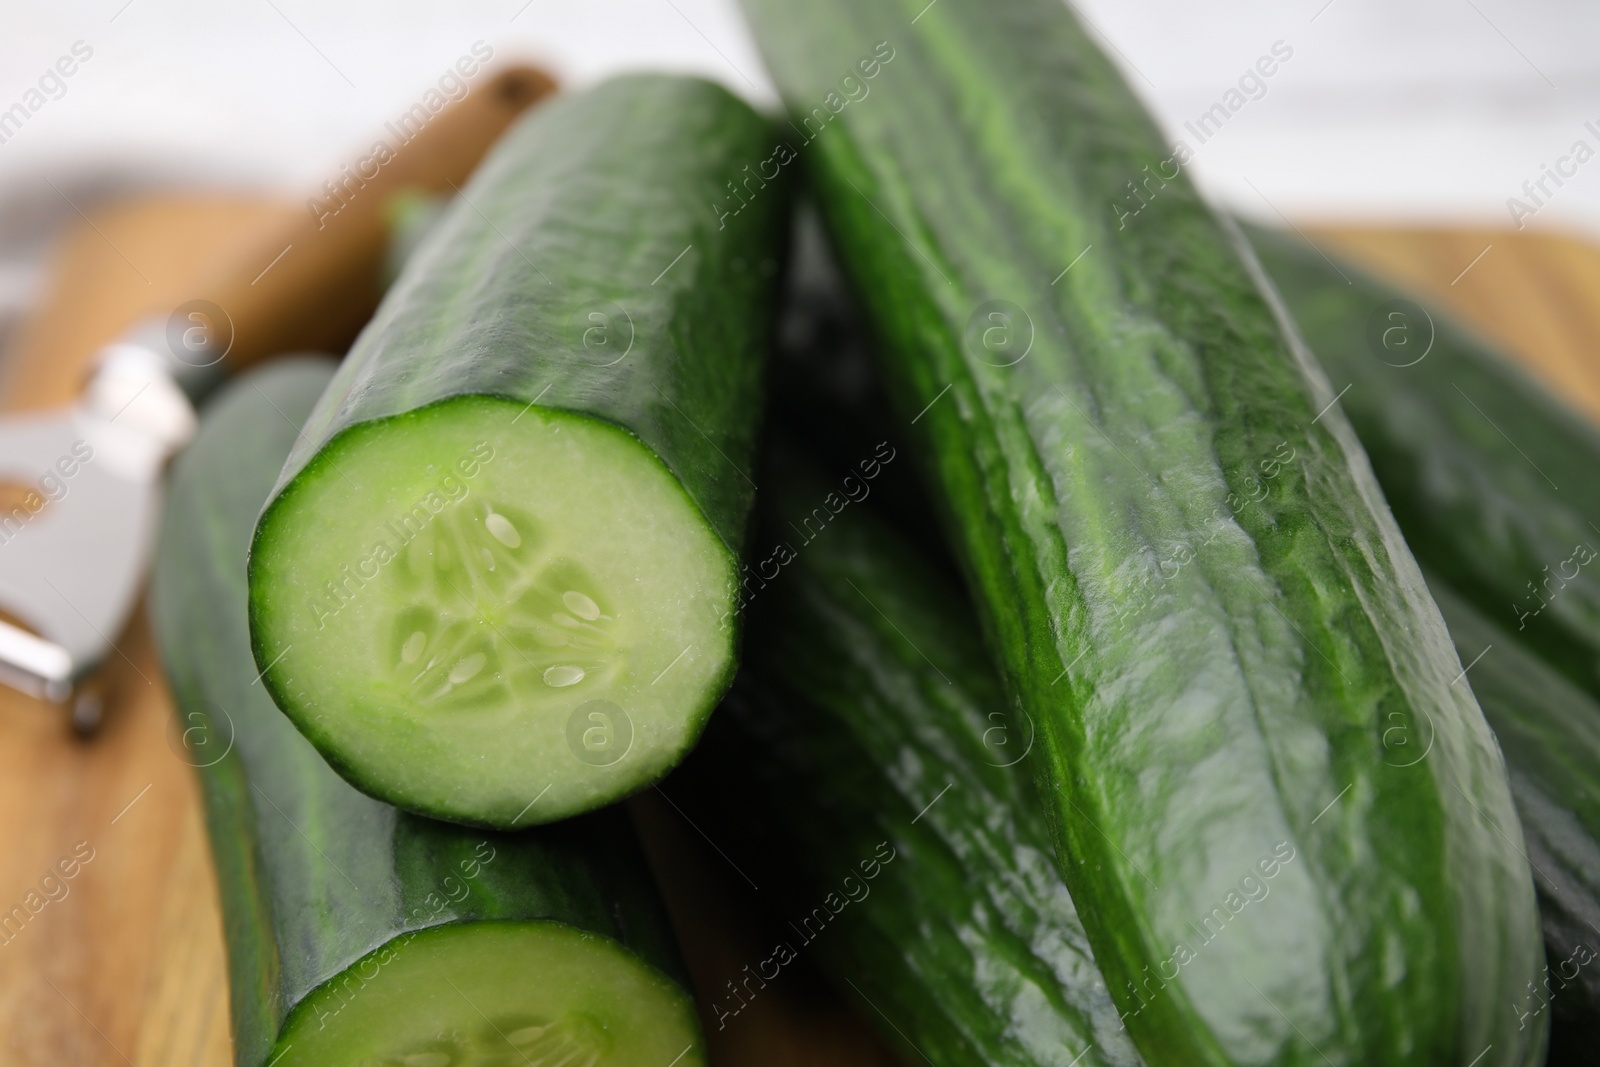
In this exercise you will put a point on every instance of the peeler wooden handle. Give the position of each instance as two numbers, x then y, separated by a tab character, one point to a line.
306	277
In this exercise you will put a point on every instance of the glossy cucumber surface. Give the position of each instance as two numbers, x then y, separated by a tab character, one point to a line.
1550	732
1177	550
1489	475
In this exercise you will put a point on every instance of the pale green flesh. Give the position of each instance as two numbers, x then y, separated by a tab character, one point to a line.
494	995
529	617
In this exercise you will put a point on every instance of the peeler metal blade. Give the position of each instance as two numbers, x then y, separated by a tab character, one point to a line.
74	548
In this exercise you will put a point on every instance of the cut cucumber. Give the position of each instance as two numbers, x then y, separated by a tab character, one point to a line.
498	582
495	644
358	935
1176	548
491	995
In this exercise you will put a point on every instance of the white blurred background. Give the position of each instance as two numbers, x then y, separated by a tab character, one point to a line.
1423	110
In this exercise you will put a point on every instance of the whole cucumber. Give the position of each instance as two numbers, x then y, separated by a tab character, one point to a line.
1176	547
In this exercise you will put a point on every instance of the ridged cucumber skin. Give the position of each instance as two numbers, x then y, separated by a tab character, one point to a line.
612	201
1190	718
313	874
1477	514
1549	730
586	202
842	752
1486	471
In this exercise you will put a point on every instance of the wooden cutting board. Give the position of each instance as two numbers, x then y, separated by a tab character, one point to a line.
127	967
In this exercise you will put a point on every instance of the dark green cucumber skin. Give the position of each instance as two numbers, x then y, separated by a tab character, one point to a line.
582	208
1550	732
1189	723
1548	729
835	738
585	202
1481	518
314	874
1489	476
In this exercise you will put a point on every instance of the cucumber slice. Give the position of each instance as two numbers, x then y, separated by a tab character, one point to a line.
498	580
532	641
358	934
461	997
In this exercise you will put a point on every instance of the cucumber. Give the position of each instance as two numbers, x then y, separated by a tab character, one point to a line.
861	766
1550	732
1489	476
497	580
1455	430
1181	561
358	934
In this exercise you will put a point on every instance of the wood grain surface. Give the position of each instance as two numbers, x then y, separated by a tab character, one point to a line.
1536	294
127	967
